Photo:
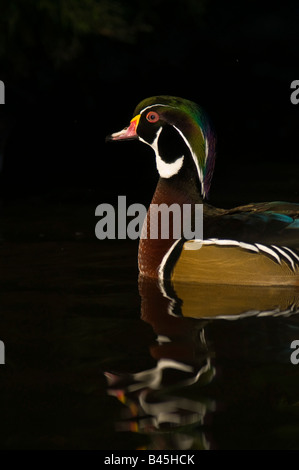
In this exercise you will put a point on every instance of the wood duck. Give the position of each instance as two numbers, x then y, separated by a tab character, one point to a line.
255	244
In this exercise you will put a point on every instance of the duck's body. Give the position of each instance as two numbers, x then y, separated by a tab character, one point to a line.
257	244
230	253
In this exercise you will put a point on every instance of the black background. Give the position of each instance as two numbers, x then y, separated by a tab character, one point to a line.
74	72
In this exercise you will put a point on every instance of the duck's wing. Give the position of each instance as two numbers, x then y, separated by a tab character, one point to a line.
273	223
279	207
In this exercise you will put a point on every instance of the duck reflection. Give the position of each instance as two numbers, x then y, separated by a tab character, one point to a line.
169	401
156	399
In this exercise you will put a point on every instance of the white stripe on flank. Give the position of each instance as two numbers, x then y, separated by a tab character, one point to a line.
227	242
165	258
248	246
292	252
285	255
197	244
268	250
216	241
257	247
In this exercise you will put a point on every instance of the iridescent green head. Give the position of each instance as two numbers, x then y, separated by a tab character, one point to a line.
177	130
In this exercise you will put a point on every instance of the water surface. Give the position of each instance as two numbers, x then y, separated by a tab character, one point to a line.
99	359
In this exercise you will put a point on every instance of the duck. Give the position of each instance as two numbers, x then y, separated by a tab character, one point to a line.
256	244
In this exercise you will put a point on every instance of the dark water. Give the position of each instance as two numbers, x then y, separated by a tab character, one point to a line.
97	359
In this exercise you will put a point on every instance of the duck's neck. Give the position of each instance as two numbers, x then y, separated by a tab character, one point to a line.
153	246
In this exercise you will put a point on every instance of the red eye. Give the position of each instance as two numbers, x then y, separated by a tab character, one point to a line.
152	116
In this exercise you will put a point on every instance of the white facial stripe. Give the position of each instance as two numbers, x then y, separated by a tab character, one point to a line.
153	106
167	170
154	144
207	148
199	171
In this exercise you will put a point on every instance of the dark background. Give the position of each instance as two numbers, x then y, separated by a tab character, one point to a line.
75	70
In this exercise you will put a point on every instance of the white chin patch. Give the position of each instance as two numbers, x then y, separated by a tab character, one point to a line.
167	170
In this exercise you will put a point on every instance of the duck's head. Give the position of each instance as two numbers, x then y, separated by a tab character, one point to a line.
179	132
